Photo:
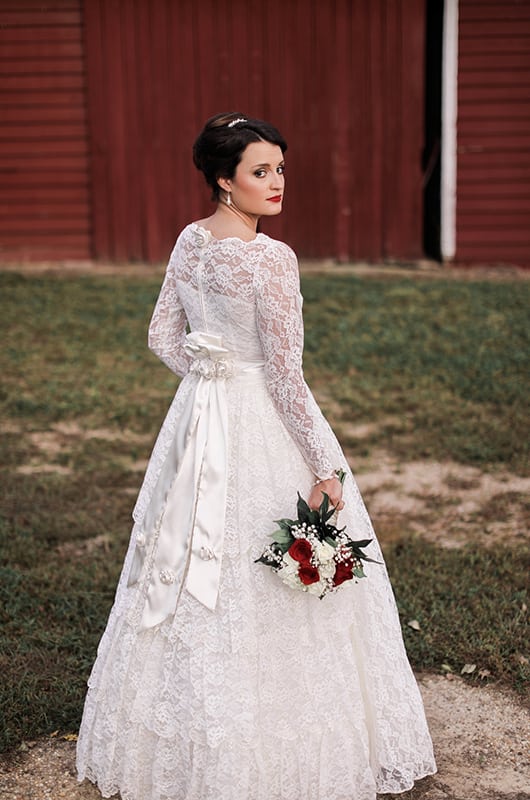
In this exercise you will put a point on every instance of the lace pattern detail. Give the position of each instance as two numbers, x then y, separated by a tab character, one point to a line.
280	329
167	330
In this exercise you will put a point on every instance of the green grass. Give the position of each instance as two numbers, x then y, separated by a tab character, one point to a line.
54	597
448	361
442	365
76	349
471	605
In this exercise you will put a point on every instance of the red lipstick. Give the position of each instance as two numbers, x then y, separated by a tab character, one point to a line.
276	199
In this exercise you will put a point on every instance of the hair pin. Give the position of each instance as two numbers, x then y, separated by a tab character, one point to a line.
235	121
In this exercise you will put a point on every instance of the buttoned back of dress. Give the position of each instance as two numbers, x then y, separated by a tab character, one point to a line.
215	283
248	294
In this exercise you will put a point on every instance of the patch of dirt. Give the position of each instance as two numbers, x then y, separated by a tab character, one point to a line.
35	467
61	432
85	547
481	736
482	743
57	443
447	503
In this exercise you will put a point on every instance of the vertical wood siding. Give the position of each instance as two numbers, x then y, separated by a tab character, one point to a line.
342	80
44	171
493	162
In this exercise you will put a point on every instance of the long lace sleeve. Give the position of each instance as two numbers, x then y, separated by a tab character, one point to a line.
167	330
279	309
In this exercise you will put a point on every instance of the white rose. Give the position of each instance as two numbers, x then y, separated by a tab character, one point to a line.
317	588
290	564
290	578
325	552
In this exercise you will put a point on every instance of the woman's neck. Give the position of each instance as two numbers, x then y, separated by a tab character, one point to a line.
232	221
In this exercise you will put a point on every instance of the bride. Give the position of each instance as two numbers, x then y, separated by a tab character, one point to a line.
214	680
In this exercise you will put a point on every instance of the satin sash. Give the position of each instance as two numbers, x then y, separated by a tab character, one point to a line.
184	524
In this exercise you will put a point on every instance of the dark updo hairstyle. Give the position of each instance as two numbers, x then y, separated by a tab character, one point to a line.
219	147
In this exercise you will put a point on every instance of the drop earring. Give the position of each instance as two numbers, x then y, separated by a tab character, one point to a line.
228	199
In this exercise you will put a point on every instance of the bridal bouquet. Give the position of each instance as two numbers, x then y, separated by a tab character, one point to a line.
311	554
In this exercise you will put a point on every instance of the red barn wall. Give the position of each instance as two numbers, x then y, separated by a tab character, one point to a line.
101	100
343	81
493	132
45	201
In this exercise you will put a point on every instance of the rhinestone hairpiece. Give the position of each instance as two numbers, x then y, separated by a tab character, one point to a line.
235	121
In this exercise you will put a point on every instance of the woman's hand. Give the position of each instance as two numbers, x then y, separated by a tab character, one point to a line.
332	487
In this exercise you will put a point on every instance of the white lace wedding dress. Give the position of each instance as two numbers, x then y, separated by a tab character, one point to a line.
274	694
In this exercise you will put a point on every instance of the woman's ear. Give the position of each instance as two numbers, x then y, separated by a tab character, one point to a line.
225	184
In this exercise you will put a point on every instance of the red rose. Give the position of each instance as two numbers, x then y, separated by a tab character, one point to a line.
344	572
301	551
308	574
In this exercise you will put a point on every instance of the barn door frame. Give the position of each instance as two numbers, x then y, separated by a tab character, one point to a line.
449	130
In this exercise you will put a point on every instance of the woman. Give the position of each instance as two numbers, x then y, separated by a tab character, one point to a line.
214	680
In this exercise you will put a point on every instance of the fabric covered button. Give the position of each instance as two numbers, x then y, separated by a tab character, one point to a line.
140	539
206	554
167	576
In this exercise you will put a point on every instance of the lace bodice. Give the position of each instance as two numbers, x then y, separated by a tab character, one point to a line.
249	294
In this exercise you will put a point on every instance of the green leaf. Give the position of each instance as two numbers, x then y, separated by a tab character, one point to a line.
265	560
313	517
357	551
324	506
361	543
341	475
303	510
358	572
330	540
284	537
285	524
359	554
329	514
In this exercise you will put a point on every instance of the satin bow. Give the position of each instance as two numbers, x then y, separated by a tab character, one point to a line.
185	519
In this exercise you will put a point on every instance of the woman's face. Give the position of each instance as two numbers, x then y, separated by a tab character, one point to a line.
258	184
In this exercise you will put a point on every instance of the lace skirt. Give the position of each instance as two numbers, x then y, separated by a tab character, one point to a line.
276	695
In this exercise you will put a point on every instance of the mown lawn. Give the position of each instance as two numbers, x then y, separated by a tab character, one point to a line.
442	365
